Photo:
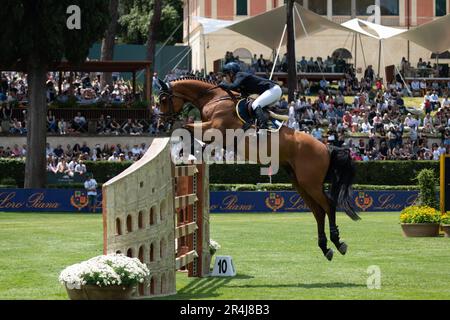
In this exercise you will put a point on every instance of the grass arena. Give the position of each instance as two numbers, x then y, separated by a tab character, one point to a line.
275	256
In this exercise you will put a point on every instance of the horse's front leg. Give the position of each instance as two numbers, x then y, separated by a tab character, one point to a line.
195	129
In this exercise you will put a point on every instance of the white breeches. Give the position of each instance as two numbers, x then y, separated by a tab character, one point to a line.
269	97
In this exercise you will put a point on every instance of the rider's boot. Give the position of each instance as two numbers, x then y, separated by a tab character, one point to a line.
261	117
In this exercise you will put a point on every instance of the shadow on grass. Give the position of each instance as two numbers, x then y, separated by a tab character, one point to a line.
205	288
303	285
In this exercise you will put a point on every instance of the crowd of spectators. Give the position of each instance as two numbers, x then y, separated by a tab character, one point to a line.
71	160
374	122
84	88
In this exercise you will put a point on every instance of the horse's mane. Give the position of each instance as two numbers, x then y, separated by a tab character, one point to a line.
184	78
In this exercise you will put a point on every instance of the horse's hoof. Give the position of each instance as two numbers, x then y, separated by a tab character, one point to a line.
329	254
343	248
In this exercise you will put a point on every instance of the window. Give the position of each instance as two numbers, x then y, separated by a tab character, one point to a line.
441	8
342	7
362	6
389	7
318	6
241	7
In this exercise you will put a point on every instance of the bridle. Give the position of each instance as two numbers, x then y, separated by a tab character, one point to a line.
169	95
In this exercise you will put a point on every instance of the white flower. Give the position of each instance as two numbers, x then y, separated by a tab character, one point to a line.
104	271
214	244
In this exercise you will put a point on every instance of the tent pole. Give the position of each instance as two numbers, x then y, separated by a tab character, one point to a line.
278	51
204	54
301	21
292	65
356	52
379	57
363	53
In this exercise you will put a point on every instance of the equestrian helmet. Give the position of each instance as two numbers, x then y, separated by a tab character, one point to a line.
231	67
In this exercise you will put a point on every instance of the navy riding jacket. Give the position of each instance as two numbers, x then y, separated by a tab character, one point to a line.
248	84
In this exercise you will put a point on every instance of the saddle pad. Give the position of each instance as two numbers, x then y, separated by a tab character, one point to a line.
244	110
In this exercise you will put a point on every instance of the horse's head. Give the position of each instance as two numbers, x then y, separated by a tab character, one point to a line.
170	103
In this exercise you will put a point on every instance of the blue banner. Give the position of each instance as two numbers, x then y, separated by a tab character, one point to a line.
46	200
69	200
290	201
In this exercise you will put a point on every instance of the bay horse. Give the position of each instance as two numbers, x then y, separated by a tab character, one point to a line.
309	162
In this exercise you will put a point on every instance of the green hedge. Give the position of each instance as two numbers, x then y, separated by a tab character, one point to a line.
367	173
394	173
288	187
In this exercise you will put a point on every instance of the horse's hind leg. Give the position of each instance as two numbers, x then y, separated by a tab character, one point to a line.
320	197
319	214
334	231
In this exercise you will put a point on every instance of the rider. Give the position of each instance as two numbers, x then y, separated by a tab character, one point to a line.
249	84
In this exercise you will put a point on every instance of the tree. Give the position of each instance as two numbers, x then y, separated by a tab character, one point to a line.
136	14
45	38
108	42
153	33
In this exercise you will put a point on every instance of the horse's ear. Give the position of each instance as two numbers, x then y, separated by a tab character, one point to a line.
163	85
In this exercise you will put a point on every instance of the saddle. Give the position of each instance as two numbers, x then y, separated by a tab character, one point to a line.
245	113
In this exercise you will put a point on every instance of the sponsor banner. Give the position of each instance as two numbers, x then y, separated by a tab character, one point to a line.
290	201
46	200
69	200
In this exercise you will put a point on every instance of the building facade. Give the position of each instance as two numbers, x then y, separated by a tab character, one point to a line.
395	13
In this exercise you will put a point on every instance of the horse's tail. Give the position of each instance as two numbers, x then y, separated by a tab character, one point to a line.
342	173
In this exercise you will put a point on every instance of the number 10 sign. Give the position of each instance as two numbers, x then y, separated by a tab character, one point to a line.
224	267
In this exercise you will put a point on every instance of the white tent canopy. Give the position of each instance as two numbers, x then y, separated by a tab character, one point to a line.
213	25
372	30
434	36
267	28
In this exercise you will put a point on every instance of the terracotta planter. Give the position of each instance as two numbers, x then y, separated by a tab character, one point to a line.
90	292
446	229
420	229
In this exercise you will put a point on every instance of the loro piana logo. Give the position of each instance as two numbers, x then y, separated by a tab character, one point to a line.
363	201
79	200
274	202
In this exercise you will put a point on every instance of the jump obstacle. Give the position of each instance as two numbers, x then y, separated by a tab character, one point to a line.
159	212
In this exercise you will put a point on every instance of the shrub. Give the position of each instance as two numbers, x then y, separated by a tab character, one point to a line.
420	214
289	187
427	186
445	219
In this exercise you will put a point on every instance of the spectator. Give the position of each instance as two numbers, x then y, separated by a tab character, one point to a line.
58	151
91	187
80	168
85	149
63	167
80	122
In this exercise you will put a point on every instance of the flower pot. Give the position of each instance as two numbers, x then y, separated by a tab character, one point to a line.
420	229
91	292
446	229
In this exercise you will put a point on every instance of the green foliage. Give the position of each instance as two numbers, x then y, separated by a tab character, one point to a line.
104	171
44	37
135	19
427	186
376	176
420	214
445	218
395	173
289	187
12	172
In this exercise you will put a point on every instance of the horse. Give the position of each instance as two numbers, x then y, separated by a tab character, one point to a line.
308	162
